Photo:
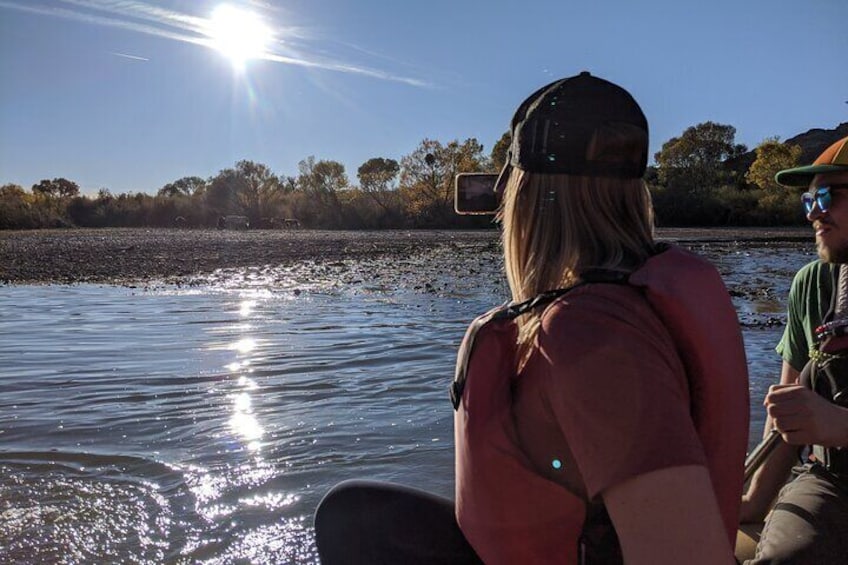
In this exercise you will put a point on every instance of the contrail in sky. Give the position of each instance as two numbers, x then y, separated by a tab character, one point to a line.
126	56
141	17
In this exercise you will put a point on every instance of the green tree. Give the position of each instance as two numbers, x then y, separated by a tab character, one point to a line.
15	208
288	184
321	177
186	186
249	188
322	181
56	188
221	194
378	179
772	156
500	150
427	177
81	211
260	190
775	204
694	162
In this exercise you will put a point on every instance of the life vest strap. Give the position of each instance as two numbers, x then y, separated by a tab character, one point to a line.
827	371
512	310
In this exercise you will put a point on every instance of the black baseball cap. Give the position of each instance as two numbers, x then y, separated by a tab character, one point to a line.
581	125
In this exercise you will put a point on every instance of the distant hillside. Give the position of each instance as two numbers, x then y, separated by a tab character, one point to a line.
812	144
817	140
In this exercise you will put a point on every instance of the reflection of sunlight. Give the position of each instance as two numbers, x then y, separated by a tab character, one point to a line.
246	308
244	423
213	490
242	402
205	486
237	366
218	511
254	473
247	383
244	345
271	501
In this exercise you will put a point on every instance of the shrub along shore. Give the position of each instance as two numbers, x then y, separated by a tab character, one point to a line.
701	178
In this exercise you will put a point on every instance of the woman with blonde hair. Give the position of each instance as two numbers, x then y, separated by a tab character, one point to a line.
602	415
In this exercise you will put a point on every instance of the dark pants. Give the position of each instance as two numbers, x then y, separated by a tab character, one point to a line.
376	523
808	524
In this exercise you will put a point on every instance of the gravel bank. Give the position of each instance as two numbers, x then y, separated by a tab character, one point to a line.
131	256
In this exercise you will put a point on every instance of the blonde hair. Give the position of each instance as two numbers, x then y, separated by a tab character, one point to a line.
555	227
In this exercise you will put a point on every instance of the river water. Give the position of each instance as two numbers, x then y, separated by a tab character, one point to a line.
204	423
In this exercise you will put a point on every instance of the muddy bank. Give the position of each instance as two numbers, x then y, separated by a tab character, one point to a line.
126	256
132	256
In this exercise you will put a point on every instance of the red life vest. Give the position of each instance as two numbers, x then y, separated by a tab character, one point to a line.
511	514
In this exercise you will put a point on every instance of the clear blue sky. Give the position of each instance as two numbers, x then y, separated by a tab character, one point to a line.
130	95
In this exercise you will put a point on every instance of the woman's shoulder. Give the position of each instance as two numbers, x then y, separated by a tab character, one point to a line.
598	301
616	314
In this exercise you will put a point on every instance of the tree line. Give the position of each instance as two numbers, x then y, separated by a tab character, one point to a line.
696	181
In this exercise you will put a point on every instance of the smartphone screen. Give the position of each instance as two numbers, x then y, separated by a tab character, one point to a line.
475	193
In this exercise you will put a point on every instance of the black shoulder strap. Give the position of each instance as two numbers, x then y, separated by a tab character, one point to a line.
512	310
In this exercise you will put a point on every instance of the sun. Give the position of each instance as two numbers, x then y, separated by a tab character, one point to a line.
238	34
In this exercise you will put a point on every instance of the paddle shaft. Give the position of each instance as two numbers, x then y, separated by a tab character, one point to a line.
760	453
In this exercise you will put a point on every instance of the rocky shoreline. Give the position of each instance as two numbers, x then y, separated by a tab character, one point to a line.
132	256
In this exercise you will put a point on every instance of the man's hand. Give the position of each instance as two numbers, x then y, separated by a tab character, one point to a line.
803	417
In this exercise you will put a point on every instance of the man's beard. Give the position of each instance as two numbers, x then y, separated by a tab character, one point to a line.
830	254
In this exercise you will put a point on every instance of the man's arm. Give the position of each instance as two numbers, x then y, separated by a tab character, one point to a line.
767	481
803	418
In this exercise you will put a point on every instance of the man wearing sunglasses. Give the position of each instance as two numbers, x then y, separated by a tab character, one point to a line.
809	521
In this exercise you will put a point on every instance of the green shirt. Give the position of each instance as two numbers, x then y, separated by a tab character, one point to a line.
809	300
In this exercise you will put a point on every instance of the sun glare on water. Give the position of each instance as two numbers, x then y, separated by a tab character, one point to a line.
238	34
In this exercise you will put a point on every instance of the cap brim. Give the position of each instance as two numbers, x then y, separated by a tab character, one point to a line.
802	176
